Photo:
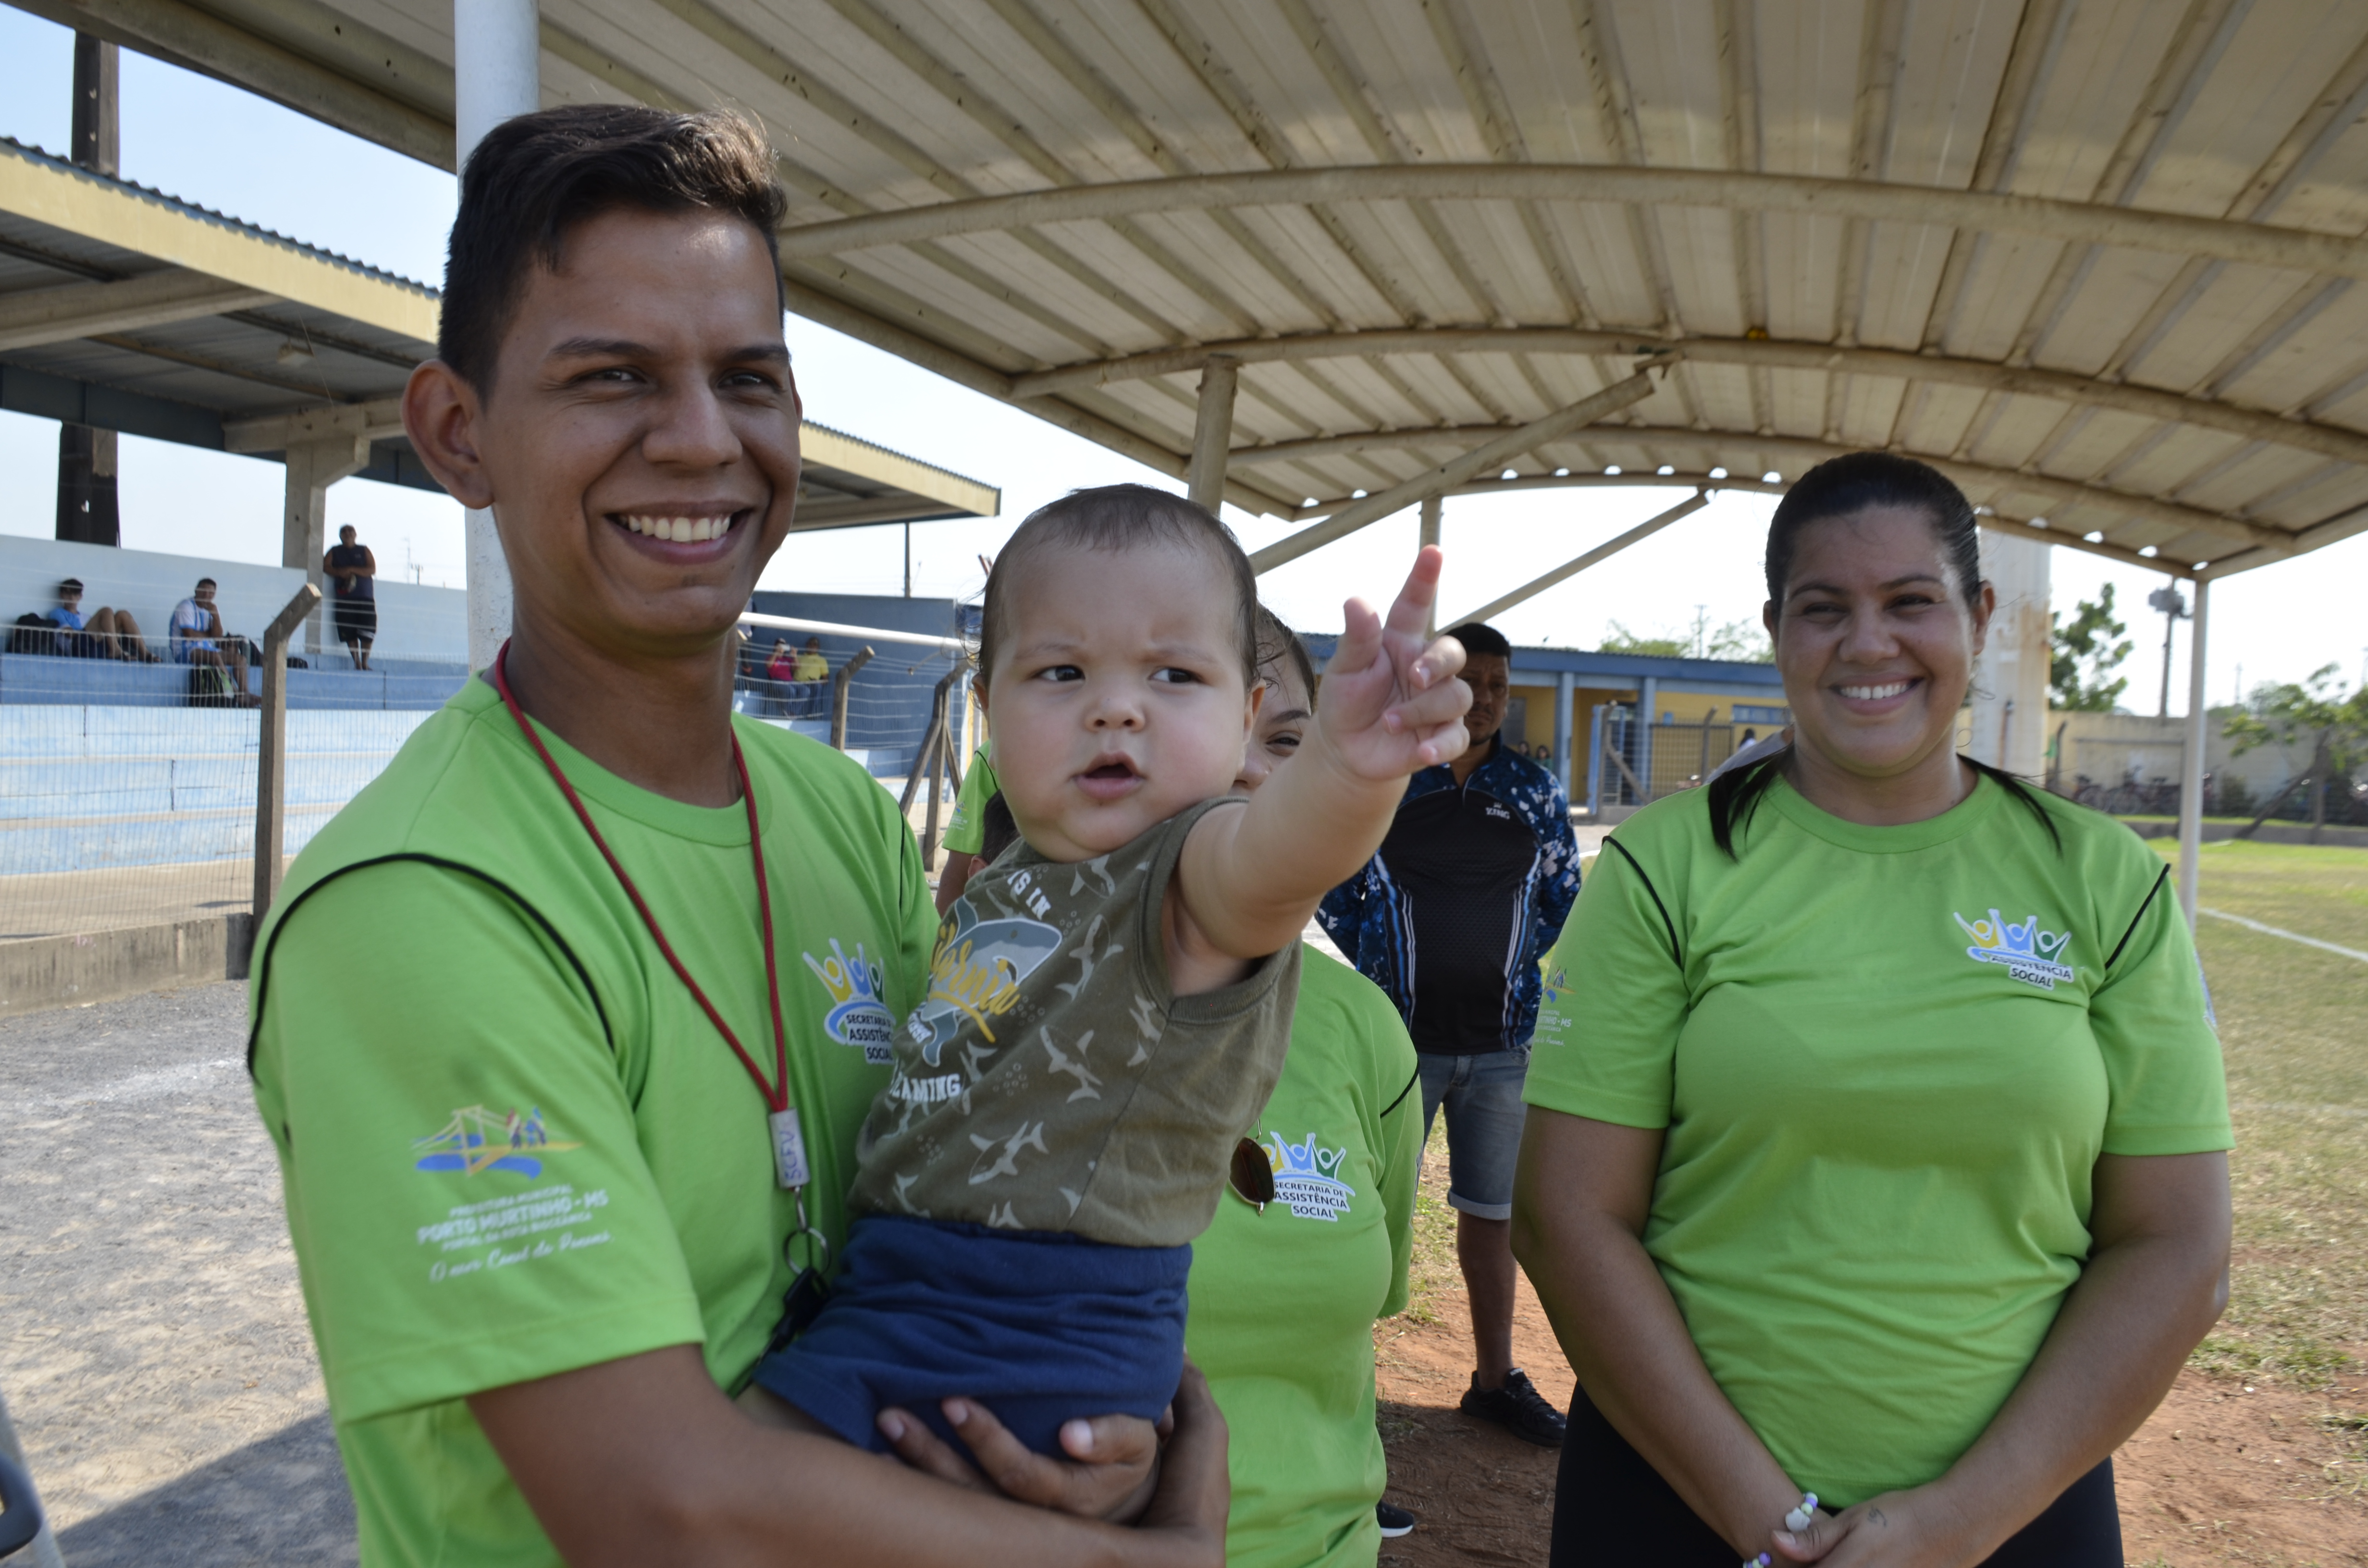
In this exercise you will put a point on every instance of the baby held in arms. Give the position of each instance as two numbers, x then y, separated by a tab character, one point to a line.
1110	1000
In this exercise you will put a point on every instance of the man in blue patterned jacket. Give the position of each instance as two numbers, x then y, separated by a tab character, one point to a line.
1451	919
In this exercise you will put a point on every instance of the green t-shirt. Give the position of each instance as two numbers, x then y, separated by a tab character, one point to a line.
1283	1302
511	1143
1887	1059
966	834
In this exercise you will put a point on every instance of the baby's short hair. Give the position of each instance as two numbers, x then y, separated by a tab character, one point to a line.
1115	517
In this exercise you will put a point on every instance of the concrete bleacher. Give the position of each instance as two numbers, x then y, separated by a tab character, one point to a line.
396	684
413	621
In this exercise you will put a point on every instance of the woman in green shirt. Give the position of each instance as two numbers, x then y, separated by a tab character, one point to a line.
1878	1140
1283	1300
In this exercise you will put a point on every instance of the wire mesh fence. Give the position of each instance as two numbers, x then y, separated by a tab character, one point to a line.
127	799
1637	763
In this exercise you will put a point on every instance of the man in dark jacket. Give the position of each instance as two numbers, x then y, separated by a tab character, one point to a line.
1451	919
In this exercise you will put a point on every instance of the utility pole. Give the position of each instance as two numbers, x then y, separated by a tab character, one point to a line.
1702	632
87	513
2168	600
909	561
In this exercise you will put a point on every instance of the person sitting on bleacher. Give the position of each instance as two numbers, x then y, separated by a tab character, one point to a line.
198	639
103	634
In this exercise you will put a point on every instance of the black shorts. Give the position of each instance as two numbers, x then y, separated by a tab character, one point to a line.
1614	1510
357	621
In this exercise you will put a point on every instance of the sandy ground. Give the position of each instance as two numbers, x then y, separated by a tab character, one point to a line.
156	1358
155	1352
2223	1473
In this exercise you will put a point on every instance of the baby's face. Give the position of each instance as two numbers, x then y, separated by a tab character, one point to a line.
1117	697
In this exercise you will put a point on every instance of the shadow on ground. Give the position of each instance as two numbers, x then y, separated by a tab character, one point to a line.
281	1501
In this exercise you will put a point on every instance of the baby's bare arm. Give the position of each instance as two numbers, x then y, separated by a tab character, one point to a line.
1248	880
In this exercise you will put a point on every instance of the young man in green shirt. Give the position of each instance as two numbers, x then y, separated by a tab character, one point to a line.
530	1150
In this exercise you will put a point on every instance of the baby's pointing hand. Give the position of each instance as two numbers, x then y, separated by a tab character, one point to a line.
1391	704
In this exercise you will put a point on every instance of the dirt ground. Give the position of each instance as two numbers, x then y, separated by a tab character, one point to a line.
2224	1473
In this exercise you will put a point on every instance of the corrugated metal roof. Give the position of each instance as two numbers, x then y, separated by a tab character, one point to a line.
2099	258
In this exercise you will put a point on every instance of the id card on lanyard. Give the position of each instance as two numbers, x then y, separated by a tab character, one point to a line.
786	1135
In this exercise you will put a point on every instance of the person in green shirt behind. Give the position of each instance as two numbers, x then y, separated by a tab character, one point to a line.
554	1155
965	839
1285	1299
1875	1174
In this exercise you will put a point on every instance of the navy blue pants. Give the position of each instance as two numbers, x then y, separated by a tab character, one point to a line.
1614	1510
1038	1326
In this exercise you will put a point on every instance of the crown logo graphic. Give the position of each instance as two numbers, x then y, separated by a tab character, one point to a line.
1997	935
847	980
2027	952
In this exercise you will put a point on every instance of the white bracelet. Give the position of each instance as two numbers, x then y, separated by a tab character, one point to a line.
1804	1515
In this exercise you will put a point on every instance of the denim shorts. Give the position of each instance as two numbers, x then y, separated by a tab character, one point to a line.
1482	1093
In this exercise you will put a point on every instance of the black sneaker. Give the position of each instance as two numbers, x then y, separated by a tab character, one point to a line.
1519	1408
1395	1522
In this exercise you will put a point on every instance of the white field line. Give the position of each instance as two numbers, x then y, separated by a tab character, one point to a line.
151	1085
2288	936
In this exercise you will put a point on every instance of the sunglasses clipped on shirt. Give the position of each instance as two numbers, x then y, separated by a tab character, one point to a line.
1252	1177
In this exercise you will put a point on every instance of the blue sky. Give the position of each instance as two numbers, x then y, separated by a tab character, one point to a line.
207	142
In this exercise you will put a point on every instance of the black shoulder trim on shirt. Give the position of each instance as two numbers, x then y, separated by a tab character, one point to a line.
1676	951
260	968
2151	894
1402	1094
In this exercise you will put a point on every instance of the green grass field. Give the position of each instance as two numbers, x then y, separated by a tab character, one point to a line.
2294	1030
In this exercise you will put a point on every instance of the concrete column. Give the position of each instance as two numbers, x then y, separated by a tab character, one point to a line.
1433	510
87	512
2010	696
312	467
1213	431
1563	684
497	75
2191	781
1649	714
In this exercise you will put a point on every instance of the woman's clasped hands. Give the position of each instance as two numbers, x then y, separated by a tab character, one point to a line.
1917	1527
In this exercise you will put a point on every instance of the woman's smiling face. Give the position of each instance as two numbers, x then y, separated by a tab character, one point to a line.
1876	641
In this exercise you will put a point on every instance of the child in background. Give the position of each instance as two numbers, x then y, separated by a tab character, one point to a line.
1110	1001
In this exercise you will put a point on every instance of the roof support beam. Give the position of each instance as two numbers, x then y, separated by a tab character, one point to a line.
82	309
1723	446
366	421
2333	441
1601	552
379	90
1448	475
964	370
1213	431
2337	256
2343	526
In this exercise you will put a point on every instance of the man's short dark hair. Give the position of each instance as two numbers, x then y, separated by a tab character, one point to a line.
1478	638
534	179
1114	517
207	583
347	529
69	586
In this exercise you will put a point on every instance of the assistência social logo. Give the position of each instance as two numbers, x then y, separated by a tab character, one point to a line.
2027	952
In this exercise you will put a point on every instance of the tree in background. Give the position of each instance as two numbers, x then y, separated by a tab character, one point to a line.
2086	653
2335	727
1738	639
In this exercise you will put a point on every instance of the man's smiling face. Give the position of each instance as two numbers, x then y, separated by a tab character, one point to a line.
640	438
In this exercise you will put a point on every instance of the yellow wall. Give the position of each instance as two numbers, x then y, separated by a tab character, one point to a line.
1689	706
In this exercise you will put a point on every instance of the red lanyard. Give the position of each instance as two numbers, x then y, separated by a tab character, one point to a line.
776	1092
